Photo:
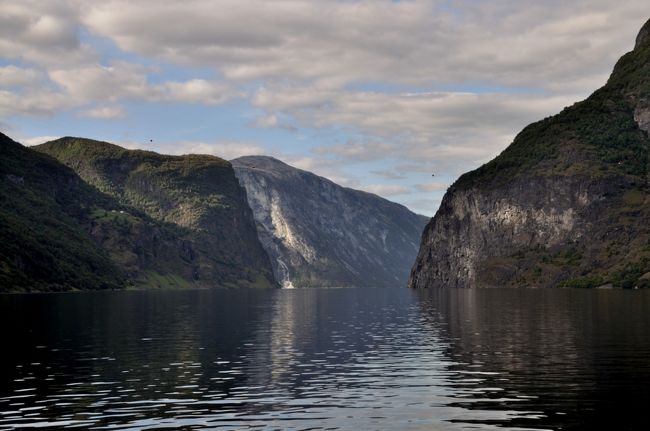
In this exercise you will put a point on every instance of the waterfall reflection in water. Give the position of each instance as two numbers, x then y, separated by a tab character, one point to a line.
326	359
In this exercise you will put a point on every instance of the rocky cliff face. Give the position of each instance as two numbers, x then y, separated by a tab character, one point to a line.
320	234
185	219
566	204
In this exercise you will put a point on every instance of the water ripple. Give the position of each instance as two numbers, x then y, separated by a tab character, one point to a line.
336	359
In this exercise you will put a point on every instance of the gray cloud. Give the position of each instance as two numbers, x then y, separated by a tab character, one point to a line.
12	76
309	55
432	187
44	33
104	112
122	80
386	189
32	93
36	102
224	149
356	151
476	72
451	131
389	174
504	42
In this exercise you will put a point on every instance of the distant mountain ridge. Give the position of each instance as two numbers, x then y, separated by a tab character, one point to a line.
566	204
318	233
79	214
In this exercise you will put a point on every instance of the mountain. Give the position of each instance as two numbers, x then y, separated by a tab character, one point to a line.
175	221
46	214
566	204
320	234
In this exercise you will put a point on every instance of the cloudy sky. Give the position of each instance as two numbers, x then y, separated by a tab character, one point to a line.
374	95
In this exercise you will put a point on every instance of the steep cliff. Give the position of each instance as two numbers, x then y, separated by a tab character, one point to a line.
320	234
200	230
566	204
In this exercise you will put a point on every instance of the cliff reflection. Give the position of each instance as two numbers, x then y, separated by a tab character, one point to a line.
340	358
293	318
127	347
553	354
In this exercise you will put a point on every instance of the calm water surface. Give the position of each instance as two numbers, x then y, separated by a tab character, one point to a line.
349	359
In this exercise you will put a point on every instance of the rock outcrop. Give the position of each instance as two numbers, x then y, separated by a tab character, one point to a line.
566	204
320	234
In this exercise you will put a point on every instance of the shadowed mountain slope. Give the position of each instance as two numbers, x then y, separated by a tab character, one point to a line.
320	234
202	231
566	204
46	214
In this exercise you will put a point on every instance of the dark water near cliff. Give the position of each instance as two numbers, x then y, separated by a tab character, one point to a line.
353	359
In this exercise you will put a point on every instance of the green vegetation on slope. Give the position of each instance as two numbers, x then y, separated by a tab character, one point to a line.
594	138
597	137
600	141
196	198
43	243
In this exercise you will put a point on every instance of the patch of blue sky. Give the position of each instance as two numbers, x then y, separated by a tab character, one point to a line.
108	51
172	122
17	62
64	123
8	62
175	122
402	177
161	71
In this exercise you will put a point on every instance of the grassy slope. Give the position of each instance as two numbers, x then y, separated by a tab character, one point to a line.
197	195
597	137
596	140
43	242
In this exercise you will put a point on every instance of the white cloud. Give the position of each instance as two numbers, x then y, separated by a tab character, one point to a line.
37	140
225	149
453	131
504	42
305	163
43	33
104	112
32	93
125	81
356	151
389	174
37	102
193	91
432	85
310	56
102	83
11	76
421	116
266	121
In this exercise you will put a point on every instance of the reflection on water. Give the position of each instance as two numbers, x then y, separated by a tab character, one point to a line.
326	359
574	359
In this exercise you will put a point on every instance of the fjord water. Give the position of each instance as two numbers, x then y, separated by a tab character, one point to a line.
353	359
